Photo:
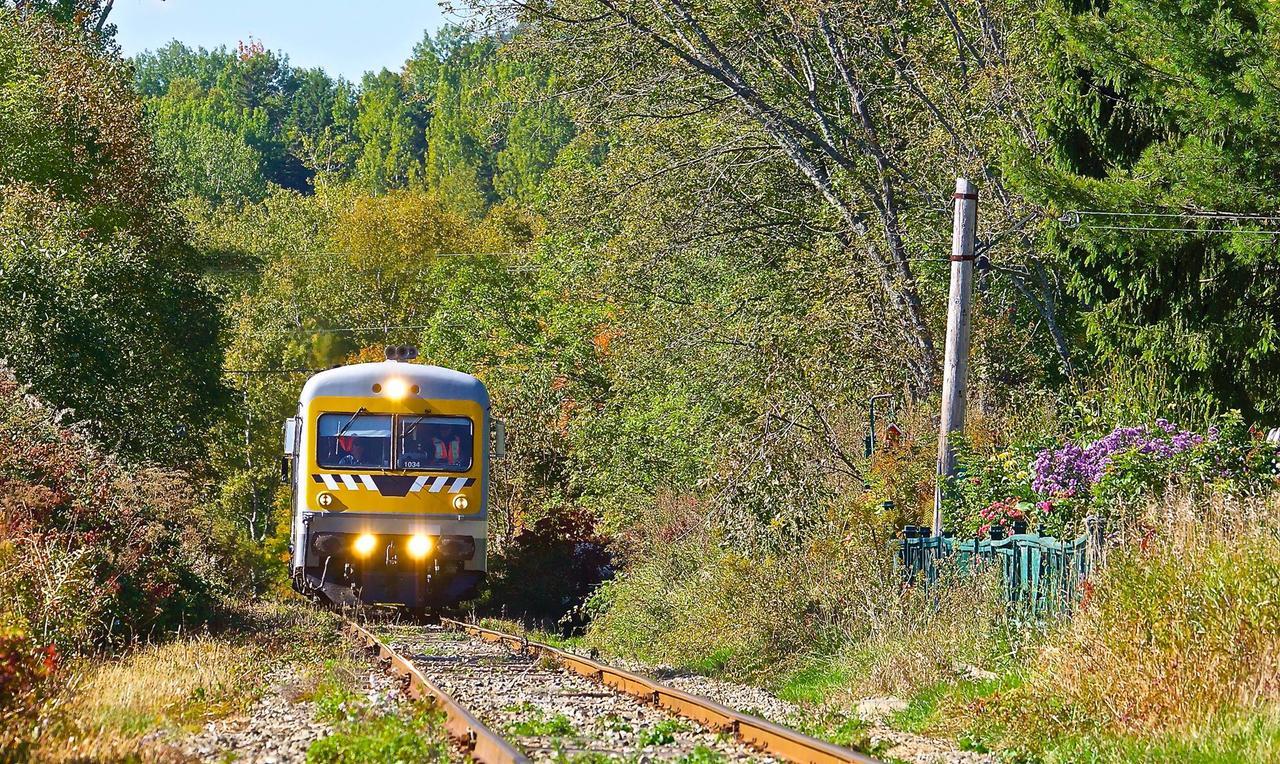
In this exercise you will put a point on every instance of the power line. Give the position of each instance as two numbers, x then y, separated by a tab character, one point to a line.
1077	219
337	330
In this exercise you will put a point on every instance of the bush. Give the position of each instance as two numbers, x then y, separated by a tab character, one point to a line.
93	555
1174	651
551	567
1182	622
24	673
833	601
1053	488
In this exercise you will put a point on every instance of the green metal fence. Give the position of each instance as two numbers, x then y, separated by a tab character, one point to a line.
1041	574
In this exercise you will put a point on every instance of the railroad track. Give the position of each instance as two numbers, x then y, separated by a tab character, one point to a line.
508	700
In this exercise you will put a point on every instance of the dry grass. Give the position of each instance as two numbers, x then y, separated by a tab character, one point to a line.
107	708
176	685
835	602
1184	622
1173	655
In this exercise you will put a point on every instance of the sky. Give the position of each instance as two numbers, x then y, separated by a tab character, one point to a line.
344	38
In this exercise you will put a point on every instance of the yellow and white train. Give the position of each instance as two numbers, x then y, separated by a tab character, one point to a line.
389	469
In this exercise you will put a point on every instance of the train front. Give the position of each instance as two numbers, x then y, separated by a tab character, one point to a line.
389	470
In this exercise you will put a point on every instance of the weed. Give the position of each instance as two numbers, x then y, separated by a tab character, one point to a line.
662	733
418	737
537	724
812	684
838	728
702	755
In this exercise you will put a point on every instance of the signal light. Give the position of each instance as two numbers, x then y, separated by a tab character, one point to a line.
419	546
365	543
460	503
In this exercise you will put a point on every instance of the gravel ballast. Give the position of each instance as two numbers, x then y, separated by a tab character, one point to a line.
548	712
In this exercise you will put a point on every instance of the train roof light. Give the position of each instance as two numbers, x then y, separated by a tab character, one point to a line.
395	389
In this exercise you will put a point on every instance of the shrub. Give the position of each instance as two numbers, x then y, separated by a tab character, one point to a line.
1053	488
1183	621
24	673
834	601
1174	651
93	555
91	552
551	567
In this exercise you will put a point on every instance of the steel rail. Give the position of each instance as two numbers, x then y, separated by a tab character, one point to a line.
480	742
765	736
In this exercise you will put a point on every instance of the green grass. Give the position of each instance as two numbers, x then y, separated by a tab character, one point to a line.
1235	739
537	723
838	728
384	739
927	709
333	695
813	684
662	733
973	714
713	664
702	755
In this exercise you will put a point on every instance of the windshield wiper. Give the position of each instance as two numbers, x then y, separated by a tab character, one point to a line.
344	427
413	424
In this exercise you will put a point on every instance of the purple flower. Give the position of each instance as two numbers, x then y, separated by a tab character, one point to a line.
1069	469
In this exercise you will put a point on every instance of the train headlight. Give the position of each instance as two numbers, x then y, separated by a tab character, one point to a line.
365	543
395	389
325	499
460	503
419	547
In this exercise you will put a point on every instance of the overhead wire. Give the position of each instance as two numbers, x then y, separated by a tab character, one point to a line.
1078	219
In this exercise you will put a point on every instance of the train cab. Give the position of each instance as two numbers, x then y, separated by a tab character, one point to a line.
389	469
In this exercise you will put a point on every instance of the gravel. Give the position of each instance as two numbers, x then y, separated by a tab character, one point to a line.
548	712
892	744
280	727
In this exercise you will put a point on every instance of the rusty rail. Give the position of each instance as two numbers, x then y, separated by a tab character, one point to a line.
482	743
772	739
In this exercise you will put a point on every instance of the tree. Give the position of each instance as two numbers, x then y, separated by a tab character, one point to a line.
863	102
1160	112
100	310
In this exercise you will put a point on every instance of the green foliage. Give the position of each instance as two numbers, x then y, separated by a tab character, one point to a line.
384	739
1162	107
1052	486
829	610
662	733
100	311
93	553
536	722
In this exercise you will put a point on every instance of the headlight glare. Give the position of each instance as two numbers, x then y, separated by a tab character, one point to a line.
419	546
365	543
395	389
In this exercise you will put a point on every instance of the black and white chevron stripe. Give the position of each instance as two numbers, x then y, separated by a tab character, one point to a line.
428	483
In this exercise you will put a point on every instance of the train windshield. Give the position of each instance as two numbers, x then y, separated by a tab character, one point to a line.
441	443
354	440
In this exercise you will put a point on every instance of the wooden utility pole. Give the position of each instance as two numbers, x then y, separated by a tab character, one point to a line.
955	369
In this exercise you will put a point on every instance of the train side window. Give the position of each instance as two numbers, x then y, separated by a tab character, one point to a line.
438	443
346	440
